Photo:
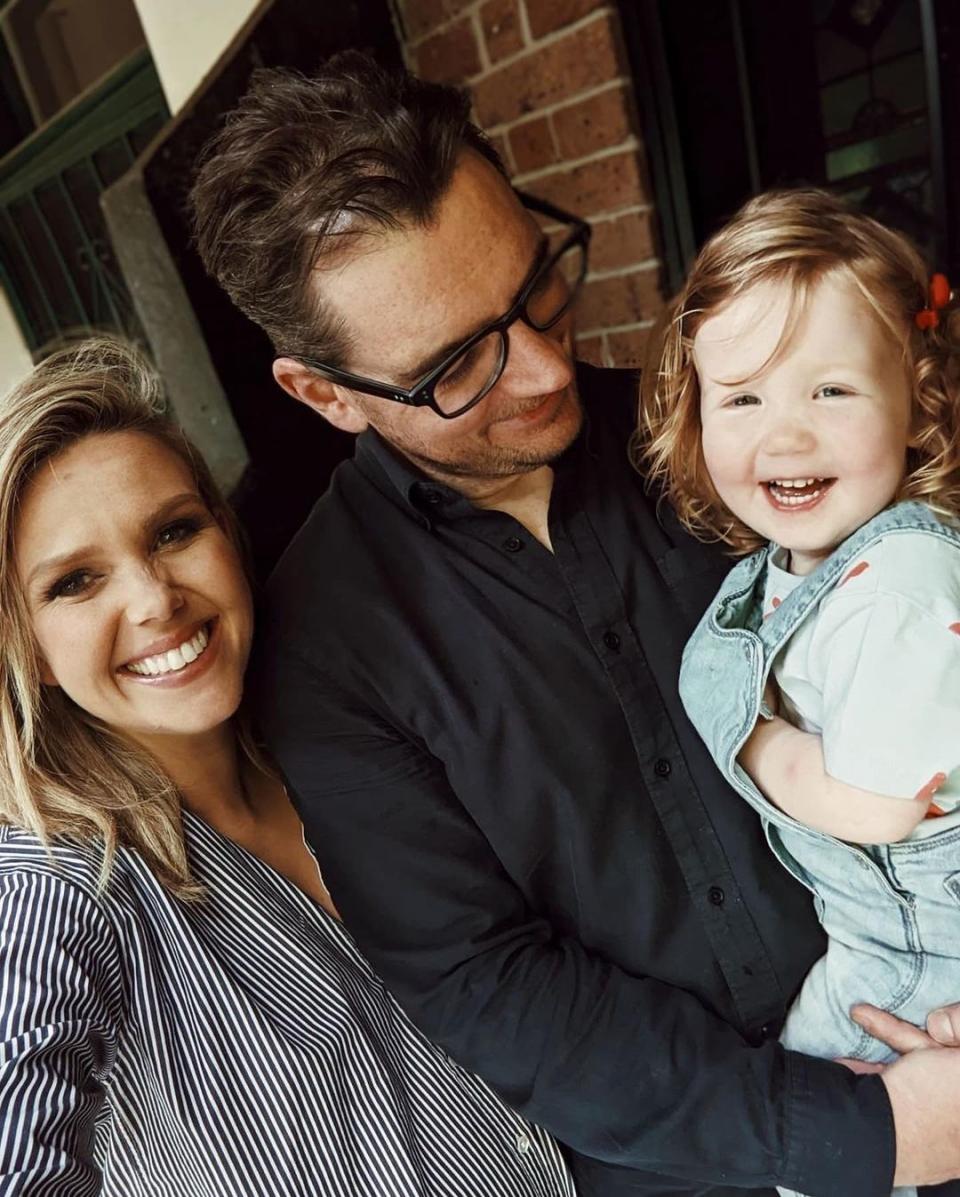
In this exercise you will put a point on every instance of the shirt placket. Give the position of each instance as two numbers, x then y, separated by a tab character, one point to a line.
736	943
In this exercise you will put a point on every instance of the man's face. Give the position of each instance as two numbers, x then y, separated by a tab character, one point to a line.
408	295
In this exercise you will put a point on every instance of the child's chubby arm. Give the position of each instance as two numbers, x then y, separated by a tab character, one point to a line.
884	657
787	766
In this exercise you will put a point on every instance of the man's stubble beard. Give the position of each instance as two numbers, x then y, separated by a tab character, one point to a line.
494	461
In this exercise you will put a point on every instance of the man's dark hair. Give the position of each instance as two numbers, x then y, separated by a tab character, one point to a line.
302	165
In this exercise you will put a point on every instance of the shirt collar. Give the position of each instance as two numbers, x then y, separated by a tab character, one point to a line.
428	499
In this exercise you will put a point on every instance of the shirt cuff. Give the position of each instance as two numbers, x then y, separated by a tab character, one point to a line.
840	1134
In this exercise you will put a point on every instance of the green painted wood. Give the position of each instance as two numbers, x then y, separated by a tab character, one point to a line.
128	96
99	123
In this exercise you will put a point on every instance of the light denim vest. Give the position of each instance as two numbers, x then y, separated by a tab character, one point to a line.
891	912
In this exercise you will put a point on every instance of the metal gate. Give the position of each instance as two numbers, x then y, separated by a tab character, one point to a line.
56	262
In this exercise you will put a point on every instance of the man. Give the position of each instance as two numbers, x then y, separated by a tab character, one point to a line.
469	671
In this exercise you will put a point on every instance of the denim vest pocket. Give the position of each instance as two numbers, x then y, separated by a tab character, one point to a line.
786	858
951	884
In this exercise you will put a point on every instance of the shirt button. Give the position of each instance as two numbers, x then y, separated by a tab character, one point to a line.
612	641
513	544
715	895
523	1143
662	767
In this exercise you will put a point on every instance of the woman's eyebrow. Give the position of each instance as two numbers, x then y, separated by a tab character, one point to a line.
60	561
63	560
172	504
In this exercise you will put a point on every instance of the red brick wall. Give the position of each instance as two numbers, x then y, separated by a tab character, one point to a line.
550	85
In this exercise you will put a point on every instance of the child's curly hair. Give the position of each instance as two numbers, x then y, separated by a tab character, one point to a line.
798	237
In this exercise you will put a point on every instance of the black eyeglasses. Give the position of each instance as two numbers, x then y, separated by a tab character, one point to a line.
472	369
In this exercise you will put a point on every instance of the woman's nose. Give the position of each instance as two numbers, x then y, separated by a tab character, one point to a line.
152	596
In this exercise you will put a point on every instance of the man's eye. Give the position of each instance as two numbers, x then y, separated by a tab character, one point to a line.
460	369
178	532
545	280
70	585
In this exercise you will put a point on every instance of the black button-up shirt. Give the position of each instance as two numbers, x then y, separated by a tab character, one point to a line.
528	839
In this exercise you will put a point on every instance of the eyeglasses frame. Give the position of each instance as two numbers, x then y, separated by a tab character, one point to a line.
422	393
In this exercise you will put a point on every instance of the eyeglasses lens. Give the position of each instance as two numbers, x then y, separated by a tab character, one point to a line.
557	289
471	375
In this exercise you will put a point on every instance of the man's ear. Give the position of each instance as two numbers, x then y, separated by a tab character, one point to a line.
330	401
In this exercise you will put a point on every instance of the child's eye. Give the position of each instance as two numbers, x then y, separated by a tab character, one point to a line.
178	532
742	401
830	391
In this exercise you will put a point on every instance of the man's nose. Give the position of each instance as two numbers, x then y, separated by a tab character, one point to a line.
153	595
538	363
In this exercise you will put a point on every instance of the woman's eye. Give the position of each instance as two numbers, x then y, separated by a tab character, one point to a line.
178	532
70	585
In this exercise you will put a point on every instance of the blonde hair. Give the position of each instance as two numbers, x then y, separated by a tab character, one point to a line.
63	772
797	237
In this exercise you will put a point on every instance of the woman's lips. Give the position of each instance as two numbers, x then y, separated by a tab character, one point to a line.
189	673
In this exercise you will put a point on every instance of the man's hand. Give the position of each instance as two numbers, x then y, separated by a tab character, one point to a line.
924	1091
943	1027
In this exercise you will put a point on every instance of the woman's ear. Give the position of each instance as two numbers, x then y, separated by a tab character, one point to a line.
47	677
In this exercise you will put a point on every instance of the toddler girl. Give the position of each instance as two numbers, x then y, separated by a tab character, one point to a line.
806	410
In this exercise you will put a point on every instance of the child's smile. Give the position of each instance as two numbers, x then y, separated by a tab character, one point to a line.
804	436
797	493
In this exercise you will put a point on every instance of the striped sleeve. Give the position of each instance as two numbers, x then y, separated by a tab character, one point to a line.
59	1014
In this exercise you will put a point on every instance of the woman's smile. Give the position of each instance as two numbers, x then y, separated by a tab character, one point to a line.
135	589
191	655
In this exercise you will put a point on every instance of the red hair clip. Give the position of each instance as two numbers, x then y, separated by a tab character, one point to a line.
938	296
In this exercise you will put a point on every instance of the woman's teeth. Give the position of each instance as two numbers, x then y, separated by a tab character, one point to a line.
174	660
797	492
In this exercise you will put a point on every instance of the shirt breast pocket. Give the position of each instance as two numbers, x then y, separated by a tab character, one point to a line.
694	576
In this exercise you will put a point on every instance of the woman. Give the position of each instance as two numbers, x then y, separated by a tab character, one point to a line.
180	1011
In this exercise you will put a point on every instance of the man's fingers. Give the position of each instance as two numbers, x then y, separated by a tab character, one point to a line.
900	1036
943	1025
861	1065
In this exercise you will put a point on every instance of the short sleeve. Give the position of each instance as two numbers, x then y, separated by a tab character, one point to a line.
58	1021
890	679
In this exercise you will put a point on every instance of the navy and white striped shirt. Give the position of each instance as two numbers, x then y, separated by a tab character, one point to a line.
236	1046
